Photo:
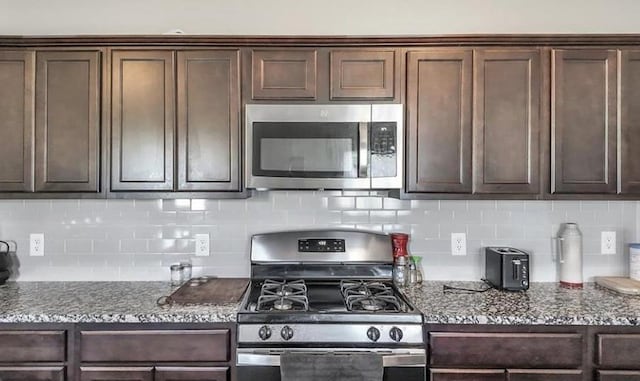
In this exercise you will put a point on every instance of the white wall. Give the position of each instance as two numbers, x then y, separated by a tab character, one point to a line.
332	17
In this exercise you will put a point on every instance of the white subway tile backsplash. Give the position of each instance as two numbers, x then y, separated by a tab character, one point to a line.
138	239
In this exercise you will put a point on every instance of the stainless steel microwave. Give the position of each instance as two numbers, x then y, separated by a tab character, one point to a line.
324	146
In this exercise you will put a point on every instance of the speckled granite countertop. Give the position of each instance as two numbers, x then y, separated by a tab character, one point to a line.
101	302
543	303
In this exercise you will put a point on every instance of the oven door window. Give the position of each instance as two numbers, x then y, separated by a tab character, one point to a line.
305	150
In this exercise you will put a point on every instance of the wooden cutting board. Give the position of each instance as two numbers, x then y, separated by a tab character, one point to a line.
209	291
619	284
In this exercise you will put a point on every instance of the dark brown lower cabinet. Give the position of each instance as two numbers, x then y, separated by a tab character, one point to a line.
467	375
618	375
544	375
32	373
191	373
139	373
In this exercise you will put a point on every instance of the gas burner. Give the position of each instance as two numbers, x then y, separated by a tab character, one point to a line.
283	296
369	296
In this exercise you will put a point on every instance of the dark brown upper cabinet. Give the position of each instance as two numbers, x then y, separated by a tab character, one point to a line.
630	122
284	74
208	120
363	74
142	121
584	121
67	150
507	121
16	121
439	121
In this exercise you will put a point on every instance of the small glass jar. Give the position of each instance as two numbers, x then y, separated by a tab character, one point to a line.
417	261
413	277
187	269
401	272
176	275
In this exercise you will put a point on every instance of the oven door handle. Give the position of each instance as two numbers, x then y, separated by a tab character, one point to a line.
363	155
388	360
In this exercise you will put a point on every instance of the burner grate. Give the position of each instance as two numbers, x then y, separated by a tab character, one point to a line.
283	296
369	296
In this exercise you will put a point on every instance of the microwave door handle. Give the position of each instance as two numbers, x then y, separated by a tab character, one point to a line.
363	156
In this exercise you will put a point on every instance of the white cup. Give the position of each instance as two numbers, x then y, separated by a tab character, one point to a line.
634	261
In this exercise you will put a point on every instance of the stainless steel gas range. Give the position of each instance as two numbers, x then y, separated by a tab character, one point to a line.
326	292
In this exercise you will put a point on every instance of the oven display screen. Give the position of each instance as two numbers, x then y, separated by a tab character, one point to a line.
320	245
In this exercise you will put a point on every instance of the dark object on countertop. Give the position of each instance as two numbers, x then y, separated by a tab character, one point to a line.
507	268
5	262
331	366
207	290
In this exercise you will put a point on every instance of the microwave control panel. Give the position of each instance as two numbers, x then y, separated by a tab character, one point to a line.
383	138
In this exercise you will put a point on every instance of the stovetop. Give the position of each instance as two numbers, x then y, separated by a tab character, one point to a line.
297	301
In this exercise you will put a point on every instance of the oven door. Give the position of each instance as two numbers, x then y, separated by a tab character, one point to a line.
264	364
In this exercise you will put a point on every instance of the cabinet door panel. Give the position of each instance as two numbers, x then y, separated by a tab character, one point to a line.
618	375
544	375
116	373
142	120
284	74
439	117
507	105
16	121
191	374
32	373
584	113
67	121
208	120
630	122
364	74
32	346
467	375
618	351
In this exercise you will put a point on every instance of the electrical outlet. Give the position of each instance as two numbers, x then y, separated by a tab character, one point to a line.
458	244
36	245
608	242
202	245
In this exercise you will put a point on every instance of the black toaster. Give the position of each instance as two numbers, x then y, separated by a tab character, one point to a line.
507	268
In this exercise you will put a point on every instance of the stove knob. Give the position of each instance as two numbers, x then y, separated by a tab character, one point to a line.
286	333
264	332
373	334
396	334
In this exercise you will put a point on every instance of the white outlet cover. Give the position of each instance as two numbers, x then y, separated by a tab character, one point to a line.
202	245
608	243
458	244
36	245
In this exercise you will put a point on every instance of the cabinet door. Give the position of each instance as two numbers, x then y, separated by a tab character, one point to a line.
506	122
142	126
467	375
544	375
208	121
630	122
32	373
618	375
584	113
439	121
16	121
284	74
116	373
67	121
363	74
191	374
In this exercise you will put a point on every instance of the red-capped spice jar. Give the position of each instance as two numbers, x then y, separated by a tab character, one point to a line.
399	241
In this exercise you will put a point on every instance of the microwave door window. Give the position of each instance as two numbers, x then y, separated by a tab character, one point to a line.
306	150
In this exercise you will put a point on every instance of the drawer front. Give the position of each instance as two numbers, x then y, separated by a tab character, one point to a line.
467	375
191	374
32	373
32	346
618	375
506	350
116	374
543	375
619	351
155	346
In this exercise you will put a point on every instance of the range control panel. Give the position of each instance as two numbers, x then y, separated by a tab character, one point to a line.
321	245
